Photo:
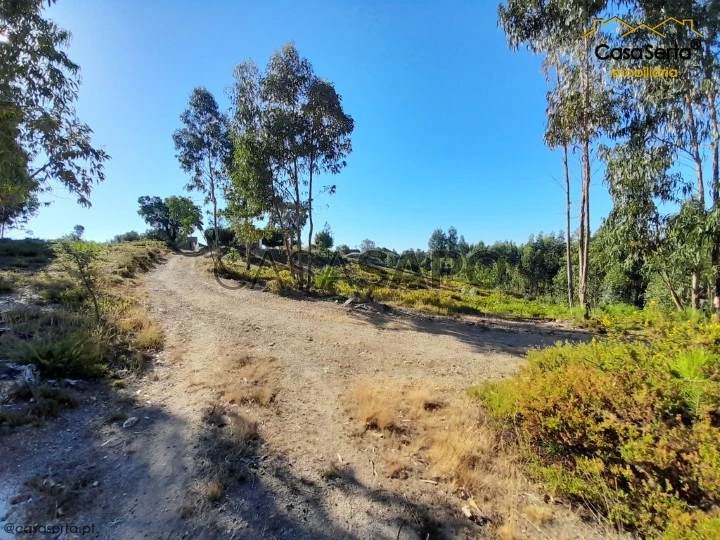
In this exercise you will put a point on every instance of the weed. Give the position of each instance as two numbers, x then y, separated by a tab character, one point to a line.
150	337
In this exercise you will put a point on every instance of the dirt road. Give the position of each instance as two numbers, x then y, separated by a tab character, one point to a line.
309	354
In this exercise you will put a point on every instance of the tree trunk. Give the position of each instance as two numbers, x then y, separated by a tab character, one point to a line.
715	186
584	240
675	298
671	290
697	158
286	241
298	231
571	292
310	219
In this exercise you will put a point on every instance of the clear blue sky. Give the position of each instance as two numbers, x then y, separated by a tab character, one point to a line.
449	121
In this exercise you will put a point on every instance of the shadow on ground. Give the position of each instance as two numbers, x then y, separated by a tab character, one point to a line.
158	478
485	335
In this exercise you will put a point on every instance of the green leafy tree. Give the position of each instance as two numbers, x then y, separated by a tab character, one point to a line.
551	27
367	245
130	236
41	138
300	132
204	148
324	239
438	241
452	239
171	218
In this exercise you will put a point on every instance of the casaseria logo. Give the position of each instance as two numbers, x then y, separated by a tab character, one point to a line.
648	51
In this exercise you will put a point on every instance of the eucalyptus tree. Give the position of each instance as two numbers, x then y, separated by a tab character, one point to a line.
642	184
557	133
678	116
301	131
41	137
557	29
249	194
205	149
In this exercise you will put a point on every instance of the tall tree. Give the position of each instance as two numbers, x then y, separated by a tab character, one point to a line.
205	149
301	131
558	133
41	137
553	28
438	241
678	116
452	239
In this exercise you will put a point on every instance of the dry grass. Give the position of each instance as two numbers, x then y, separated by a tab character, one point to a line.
248	382
150	337
389	408
451	440
540	515
397	467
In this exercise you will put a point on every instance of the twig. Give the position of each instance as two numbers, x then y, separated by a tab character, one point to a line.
399	530
429	481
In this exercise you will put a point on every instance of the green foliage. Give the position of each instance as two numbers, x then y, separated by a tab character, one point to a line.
204	148
172	219
367	245
80	260
629	428
130	236
324	239
325	280
60	345
68	341
289	127
41	138
23	253
226	236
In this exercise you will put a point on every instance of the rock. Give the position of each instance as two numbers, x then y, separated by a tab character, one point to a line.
13	376
130	422
352	300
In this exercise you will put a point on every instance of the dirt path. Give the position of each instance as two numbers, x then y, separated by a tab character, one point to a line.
311	354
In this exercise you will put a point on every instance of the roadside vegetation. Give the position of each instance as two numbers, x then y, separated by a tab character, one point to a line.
74	310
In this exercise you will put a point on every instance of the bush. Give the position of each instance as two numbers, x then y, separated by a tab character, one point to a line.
326	279
77	354
130	236
631	429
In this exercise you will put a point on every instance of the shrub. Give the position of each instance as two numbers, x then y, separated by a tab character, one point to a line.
326	279
150	337
631	429
77	354
130	236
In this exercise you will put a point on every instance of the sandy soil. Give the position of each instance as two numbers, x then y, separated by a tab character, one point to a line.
142	481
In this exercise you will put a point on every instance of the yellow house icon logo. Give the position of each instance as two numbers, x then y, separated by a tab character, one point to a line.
630	28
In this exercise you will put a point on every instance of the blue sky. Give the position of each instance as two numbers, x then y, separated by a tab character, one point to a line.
449	121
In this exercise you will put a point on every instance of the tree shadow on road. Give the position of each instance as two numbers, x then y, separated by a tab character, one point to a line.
486	335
